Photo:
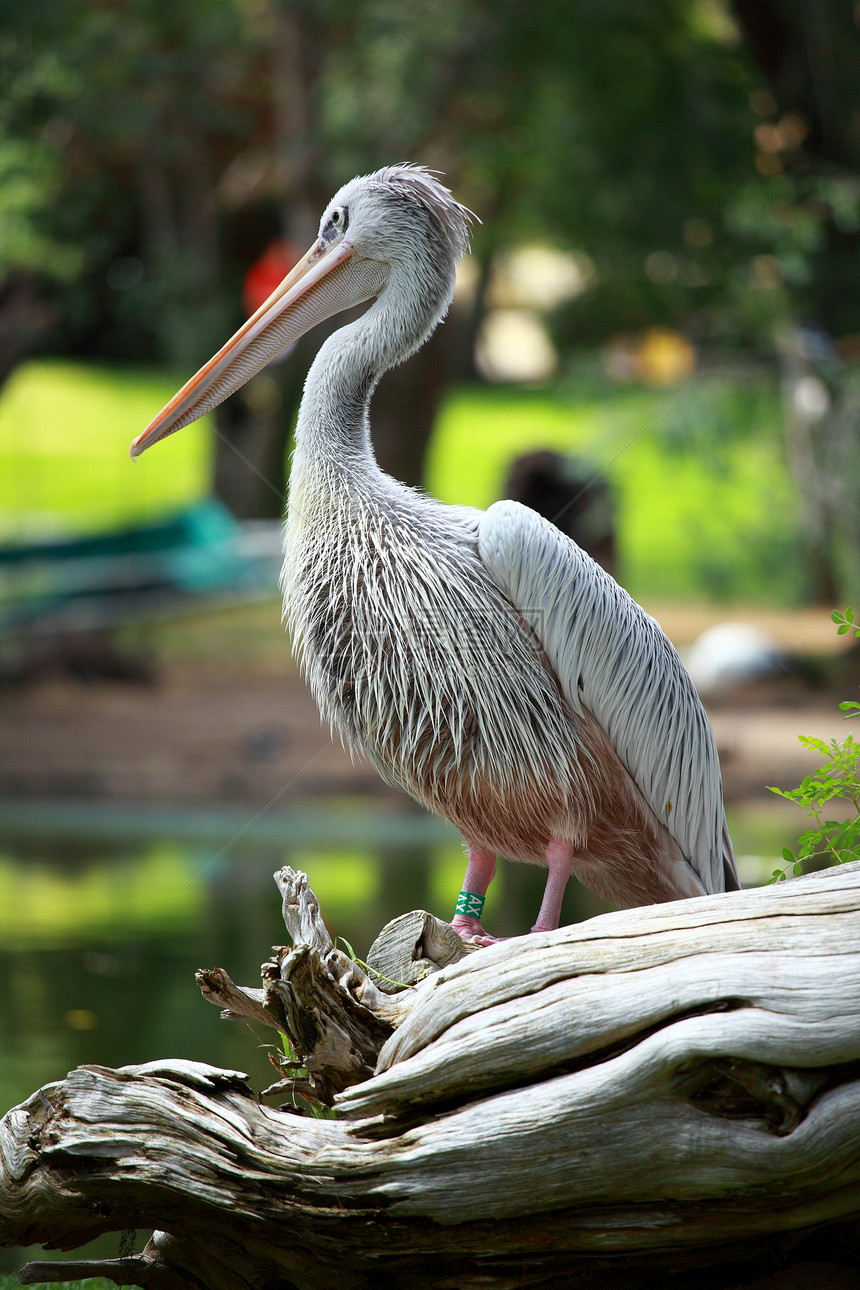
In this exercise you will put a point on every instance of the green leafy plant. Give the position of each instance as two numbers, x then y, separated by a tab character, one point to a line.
837	779
292	1073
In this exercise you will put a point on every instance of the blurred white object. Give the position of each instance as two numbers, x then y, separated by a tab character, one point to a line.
811	398
513	345
730	653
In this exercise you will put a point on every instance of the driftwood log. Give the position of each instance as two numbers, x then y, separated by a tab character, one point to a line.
667	1096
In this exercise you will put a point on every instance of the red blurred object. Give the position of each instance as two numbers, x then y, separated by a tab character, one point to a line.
266	273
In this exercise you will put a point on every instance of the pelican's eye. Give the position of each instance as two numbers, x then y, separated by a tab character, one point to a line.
336	223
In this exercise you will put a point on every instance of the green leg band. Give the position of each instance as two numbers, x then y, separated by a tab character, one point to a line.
470	904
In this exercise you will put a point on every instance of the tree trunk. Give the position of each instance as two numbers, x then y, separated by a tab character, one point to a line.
639	1097
821	403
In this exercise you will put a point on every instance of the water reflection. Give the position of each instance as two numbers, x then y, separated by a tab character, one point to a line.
106	913
100	933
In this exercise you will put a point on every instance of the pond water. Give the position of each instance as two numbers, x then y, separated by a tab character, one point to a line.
107	911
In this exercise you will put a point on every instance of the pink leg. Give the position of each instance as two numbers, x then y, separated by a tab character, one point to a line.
559	857
480	872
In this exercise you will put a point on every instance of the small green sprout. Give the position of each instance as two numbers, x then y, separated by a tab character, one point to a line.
371	972
838	778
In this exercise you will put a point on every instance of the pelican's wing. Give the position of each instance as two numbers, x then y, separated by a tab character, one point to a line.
609	655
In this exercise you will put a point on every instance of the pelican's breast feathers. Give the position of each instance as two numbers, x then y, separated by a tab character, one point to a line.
412	651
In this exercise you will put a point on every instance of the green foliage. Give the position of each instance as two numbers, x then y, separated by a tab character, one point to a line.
837	779
13	1282
29	184
168	143
844	625
294	1076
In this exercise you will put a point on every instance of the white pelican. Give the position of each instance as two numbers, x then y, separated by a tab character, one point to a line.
480	660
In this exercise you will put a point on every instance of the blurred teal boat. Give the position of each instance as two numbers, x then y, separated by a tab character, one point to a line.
97	581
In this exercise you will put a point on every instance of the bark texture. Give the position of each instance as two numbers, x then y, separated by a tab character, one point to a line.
647	1095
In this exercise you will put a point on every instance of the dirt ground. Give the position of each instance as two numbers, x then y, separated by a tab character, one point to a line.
225	718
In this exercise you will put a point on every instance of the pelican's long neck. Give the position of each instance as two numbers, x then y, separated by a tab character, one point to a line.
333	427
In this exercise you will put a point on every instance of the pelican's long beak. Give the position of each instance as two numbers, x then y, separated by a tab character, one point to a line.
324	282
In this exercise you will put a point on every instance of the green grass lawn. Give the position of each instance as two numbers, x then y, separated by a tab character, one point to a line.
706	510
64	434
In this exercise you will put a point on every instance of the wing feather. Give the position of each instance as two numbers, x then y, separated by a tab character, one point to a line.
609	655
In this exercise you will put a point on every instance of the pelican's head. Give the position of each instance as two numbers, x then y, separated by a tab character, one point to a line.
398	229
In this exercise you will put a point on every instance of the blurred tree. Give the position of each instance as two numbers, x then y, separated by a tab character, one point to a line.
351	86
805	212
702	155
28	182
185	137
808	141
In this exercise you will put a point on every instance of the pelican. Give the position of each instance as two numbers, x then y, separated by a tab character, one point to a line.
480	660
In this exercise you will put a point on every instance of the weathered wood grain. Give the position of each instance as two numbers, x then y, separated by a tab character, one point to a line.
413	947
664	1088
783	960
